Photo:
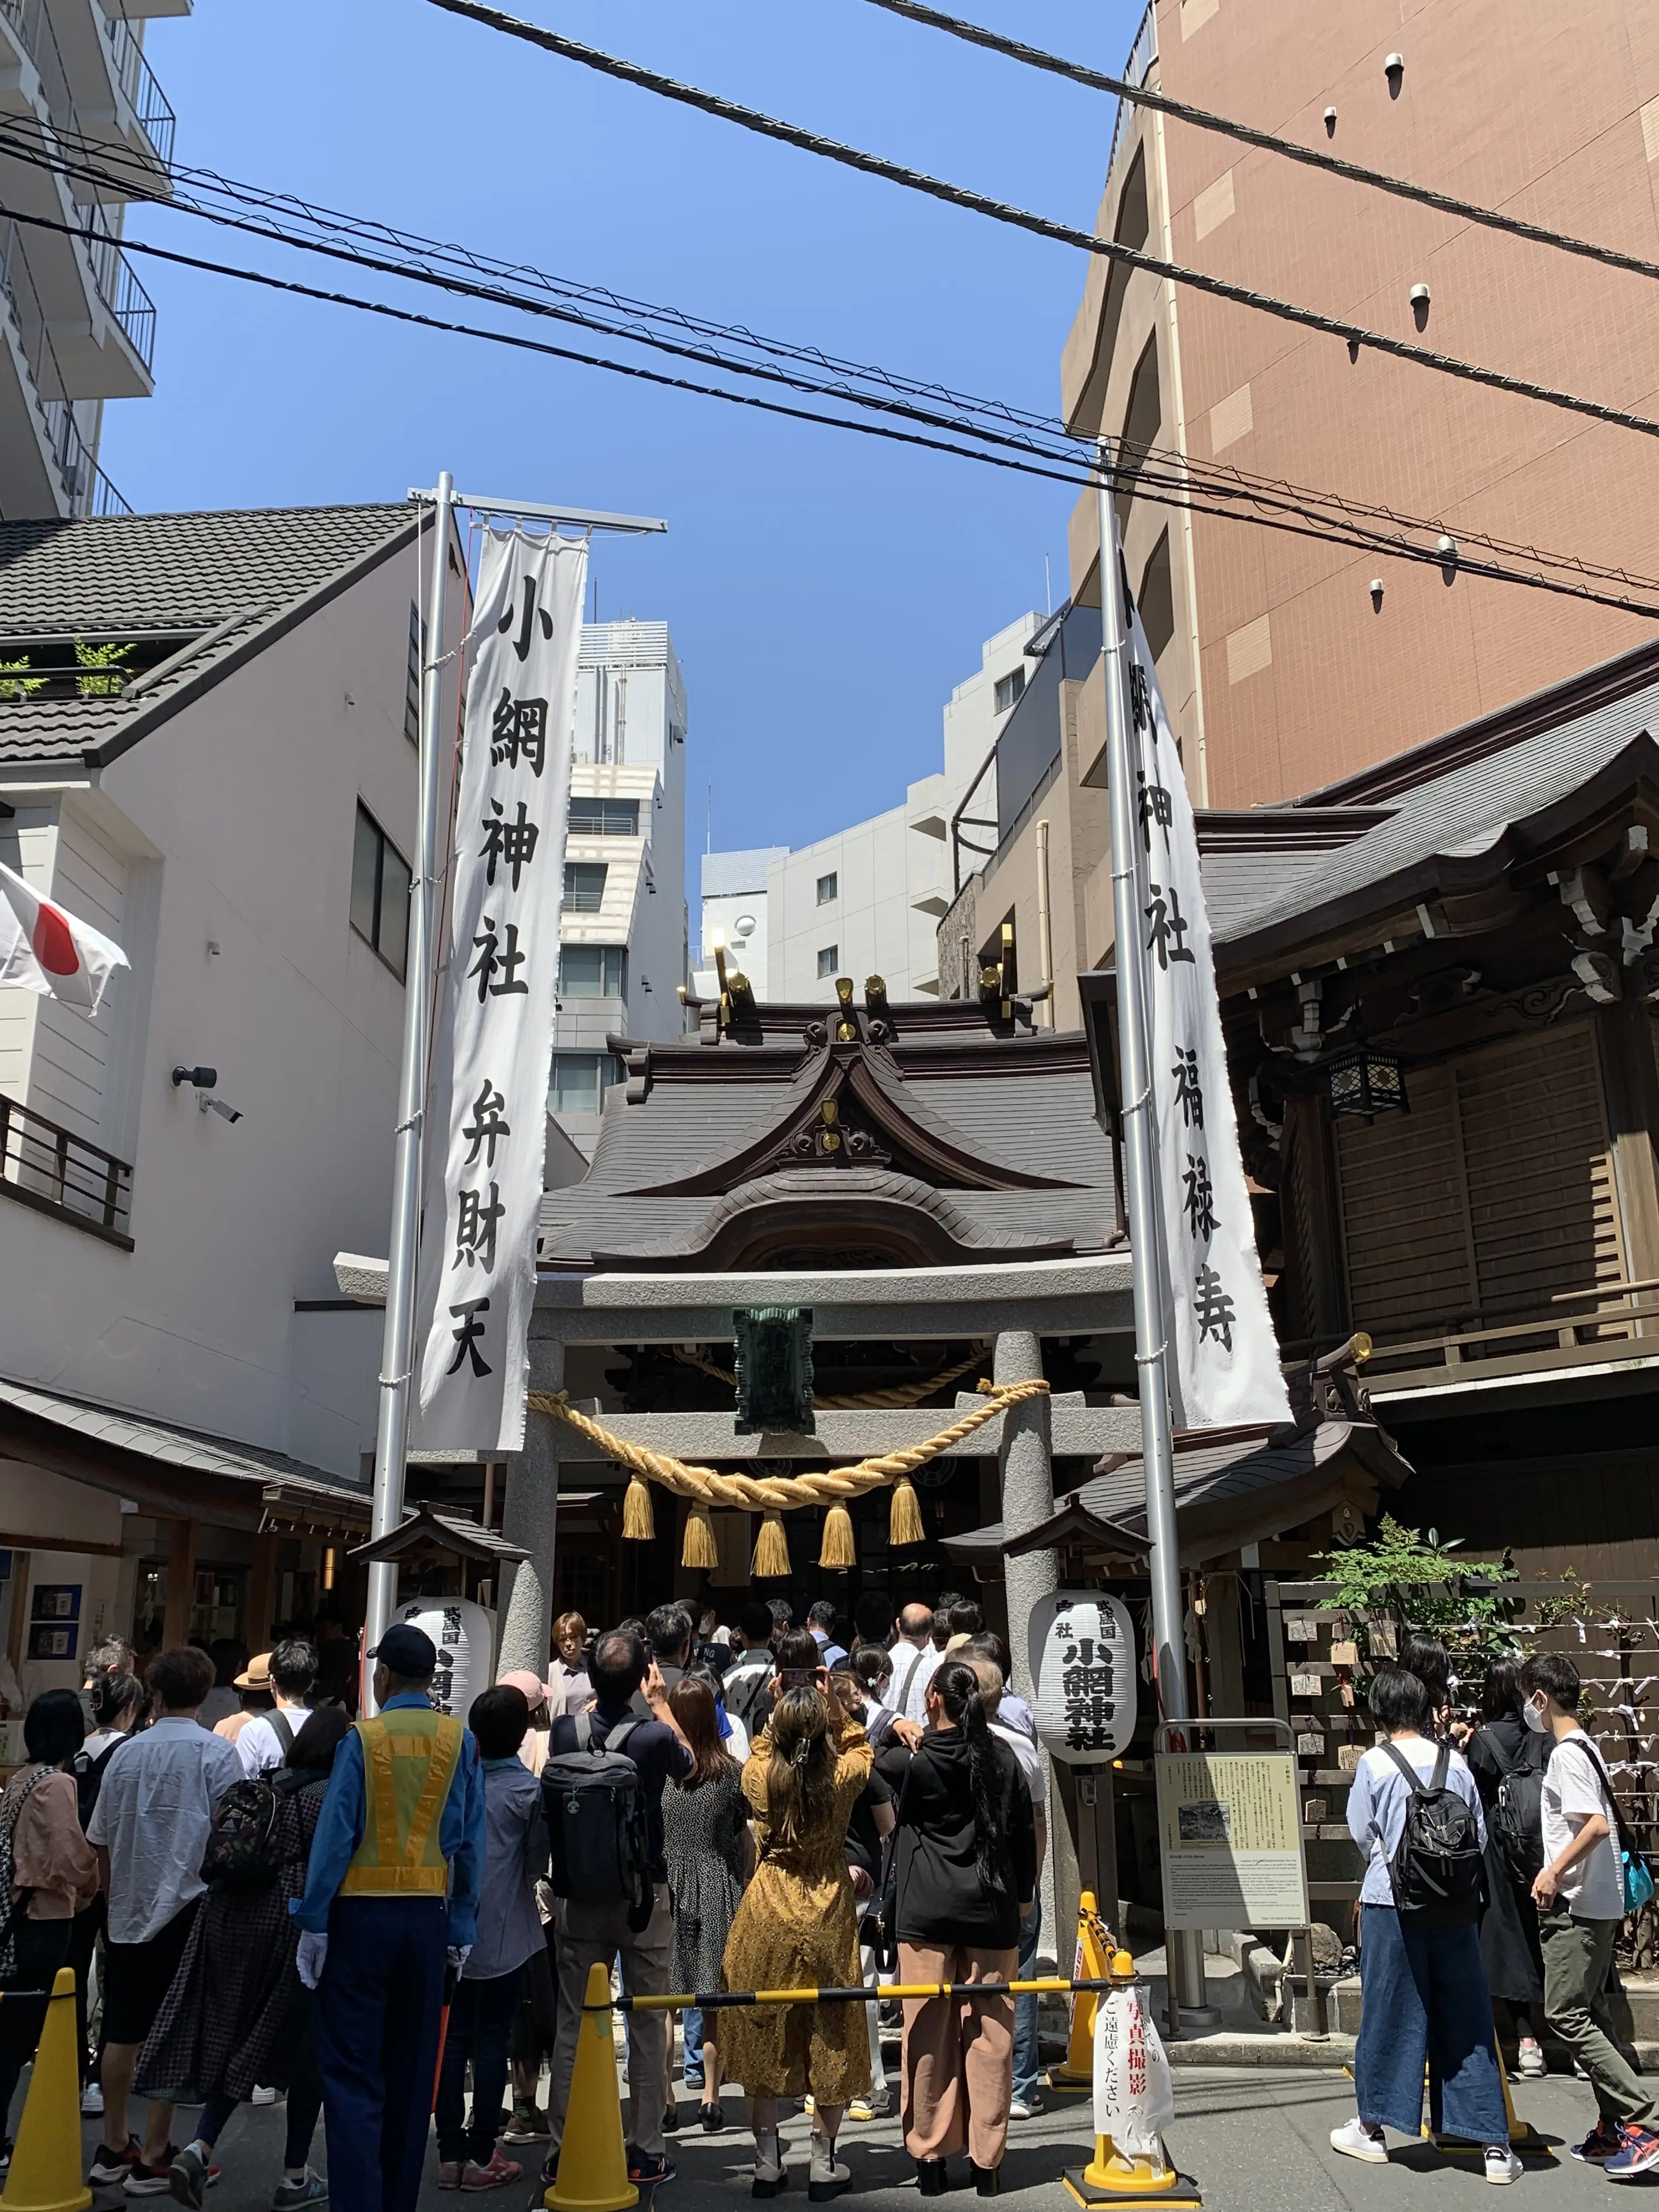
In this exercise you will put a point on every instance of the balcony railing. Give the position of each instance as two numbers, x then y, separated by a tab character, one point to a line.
1136	70
138	81
56	1172
119	286
1624	1326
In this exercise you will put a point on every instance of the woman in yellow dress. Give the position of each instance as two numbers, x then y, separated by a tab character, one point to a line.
796	1926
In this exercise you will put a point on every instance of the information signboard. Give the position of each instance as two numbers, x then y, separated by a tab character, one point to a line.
1230	1835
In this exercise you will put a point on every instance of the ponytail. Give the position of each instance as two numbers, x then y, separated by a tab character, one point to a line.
957	1688
111	1694
800	1772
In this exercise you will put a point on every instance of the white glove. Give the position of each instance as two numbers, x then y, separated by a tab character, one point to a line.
313	1950
459	1955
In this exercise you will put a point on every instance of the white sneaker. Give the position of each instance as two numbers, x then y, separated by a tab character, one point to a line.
1358	2141
1501	2164
92	2098
262	2096
1019	2110
1530	2063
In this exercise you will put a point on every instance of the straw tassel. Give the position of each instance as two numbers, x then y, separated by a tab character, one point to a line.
837	1552
638	1527
904	1520
771	1547
700	1548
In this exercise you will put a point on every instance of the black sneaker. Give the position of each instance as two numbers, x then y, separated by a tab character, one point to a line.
109	2168
646	2172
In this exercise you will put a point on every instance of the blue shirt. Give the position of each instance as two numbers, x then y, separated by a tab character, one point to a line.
1376	1806
340	1830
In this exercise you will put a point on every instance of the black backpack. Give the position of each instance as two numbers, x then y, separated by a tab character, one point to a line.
88	1770
1517	1820
1436	1870
595	1806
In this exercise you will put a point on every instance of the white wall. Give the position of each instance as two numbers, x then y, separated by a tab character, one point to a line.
248	801
630	743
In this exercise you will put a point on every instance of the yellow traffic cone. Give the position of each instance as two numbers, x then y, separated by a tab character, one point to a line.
592	2161
45	2162
1094	1946
1130	2181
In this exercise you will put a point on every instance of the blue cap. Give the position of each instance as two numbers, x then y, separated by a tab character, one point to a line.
407	1650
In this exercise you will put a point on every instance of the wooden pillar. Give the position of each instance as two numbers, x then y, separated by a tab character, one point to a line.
1629	1087
17	1627
262	1591
181	1585
1309	1155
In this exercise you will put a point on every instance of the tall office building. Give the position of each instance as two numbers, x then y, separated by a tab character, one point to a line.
623	938
77	326
1281	671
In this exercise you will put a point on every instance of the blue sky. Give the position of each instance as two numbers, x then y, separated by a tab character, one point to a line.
825	592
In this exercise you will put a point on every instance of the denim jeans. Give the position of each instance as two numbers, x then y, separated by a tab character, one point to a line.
1424	1998
481	2020
691	2032
1027	2063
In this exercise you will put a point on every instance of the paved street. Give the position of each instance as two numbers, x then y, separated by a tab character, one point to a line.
1254	2139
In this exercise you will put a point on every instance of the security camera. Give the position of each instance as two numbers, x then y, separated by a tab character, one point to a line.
218	1106
203	1079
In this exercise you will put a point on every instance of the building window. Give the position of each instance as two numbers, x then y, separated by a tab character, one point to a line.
379	893
412	681
584	886
604	817
1009	689
828	960
828	887
580	1081
593	971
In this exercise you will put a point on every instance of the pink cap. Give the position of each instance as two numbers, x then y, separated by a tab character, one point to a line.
534	1689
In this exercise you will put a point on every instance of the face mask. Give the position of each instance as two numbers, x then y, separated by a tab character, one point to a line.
1534	1720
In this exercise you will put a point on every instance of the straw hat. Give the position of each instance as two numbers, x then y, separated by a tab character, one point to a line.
258	1676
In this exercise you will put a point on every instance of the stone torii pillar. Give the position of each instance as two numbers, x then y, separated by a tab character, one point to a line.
529	1519
1025	1471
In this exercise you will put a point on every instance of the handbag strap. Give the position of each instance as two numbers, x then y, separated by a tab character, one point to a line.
1626	1843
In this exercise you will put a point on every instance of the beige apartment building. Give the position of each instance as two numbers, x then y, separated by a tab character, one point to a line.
1284	670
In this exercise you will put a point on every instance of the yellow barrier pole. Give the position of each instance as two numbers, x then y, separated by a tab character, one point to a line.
45	2161
592	2161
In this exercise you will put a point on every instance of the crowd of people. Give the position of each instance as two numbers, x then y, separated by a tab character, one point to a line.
273	1898
1497	1865
268	1898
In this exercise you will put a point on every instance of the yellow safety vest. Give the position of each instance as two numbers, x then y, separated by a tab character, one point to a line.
410	1757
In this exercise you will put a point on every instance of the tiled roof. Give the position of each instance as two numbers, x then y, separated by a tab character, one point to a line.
219	581
1450	818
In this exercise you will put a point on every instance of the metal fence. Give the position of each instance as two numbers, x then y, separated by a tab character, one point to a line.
51	1168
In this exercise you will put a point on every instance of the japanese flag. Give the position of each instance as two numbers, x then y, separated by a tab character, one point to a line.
48	951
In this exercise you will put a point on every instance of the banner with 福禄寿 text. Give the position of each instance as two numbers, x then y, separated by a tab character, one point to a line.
1226	1363
486	1118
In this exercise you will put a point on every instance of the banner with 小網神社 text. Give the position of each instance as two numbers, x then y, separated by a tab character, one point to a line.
486	1121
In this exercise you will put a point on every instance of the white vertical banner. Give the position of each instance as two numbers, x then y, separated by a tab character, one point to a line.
486	1124
1226	1355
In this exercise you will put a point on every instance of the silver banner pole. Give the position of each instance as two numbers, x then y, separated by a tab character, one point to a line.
398	1349
1141	1187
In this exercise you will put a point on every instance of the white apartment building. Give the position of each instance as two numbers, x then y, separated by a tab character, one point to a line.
867	901
77	326
623	954
230	793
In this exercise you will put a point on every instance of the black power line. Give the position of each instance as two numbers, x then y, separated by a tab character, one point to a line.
1266	142
1354	335
422	261
1170	489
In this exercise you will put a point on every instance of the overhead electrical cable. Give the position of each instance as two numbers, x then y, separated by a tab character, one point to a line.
423	261
1170	488
1354	335
1202	118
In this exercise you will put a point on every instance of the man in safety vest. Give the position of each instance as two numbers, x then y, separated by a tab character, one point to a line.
392	1893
